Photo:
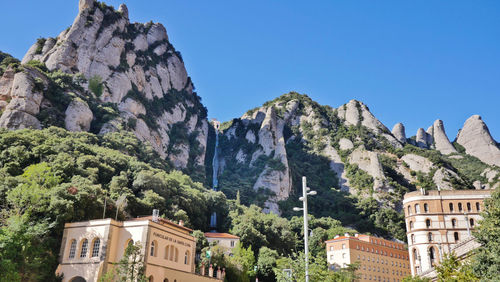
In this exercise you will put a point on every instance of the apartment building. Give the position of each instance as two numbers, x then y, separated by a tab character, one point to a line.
380	259
437	221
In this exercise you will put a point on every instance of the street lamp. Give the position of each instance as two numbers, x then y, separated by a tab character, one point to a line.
305	192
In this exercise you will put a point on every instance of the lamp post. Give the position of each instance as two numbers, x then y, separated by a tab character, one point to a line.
305	192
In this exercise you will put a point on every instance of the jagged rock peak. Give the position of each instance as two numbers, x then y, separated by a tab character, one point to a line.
356	112
440	139
477	141
123	10
131	63
399	132
423	139
85	4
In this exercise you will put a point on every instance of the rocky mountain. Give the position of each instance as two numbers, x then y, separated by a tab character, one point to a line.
347	155
105	74
477	141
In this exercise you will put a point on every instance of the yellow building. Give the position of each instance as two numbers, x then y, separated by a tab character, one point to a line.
439	221
90	249
379	259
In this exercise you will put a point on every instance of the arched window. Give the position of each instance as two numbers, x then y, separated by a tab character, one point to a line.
432	255
429	236
413	238
460	207
426	207
167	249
417	208
471	222
95	247
469	207
455	235
176	255
151	279
453	223
172	253
478	206
152	251
451	207
129	243
415	255
72	249
165	280
186	257
84	249
428	223
409	210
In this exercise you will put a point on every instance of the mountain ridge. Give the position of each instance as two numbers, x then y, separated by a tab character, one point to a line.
105	74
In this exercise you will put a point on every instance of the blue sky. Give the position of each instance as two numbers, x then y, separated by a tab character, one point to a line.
409	61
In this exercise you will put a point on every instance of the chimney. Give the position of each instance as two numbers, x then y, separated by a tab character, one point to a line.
356	235
181	222
156	214
336	236
346	234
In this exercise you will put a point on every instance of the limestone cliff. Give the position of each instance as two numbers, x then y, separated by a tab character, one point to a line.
266	151
105	74
477	141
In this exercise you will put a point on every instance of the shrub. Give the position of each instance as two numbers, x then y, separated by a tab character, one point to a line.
95	85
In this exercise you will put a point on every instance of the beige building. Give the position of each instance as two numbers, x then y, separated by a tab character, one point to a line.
380	259
438	221
90	249
226	240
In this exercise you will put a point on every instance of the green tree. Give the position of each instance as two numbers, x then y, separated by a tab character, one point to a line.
451	269
318	270
415	279
131	267
265	264
486	263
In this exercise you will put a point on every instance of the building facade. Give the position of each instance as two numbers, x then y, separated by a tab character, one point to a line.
379	259
436	221
90	249
225	240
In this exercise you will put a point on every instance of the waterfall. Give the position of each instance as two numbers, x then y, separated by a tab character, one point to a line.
215	171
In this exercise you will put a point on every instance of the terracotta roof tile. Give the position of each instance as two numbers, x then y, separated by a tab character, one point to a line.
220	235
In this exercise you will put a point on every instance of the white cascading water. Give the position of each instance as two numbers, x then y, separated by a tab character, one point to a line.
215	182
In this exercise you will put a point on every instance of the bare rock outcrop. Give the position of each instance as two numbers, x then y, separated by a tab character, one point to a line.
439	138
139	71
369	162
399	133
25	92
477	141
356	112
78	116
423	139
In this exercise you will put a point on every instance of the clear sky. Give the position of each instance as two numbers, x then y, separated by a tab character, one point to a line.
409	61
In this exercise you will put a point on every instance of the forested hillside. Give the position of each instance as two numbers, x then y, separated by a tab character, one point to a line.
107	109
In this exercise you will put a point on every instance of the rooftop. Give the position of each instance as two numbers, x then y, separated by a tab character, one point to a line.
163	221
368	239
221	235
431	193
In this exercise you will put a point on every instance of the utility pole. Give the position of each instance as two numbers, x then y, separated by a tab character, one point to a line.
305	192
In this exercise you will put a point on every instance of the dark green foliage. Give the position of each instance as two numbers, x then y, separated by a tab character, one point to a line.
359	178
486	263
95	85
52	176
39	45
6	60
258	229
110	17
